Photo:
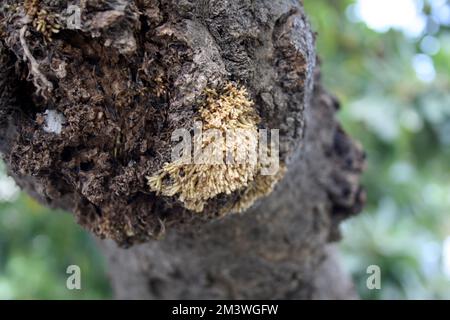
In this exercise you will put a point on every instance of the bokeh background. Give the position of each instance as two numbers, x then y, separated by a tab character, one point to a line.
388	61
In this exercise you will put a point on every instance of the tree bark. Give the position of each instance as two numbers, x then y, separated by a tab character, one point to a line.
276	250
122	81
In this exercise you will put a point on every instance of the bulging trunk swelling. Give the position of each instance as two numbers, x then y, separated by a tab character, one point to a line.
118	83
277	250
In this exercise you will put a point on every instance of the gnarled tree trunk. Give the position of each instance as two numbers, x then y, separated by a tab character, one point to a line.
86	115
276	250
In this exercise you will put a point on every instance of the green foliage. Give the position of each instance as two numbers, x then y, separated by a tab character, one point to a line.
36	247
404	125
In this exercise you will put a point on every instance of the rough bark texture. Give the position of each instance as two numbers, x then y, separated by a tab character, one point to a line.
123	81
276	250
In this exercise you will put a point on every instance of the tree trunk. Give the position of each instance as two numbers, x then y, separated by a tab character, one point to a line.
276	250
86	115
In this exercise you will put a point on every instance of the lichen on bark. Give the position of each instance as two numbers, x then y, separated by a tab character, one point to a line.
225	157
